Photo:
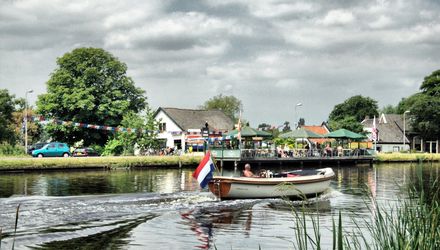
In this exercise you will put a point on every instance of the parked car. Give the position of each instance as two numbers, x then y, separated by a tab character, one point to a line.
52	149
36	146
83	152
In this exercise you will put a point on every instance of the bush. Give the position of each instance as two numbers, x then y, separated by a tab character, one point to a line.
10	150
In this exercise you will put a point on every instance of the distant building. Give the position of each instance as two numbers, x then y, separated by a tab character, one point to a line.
319	129
390	136
182	127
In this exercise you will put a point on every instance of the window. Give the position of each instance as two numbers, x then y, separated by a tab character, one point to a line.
162	126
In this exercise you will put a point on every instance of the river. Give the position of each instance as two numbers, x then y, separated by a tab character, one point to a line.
165	209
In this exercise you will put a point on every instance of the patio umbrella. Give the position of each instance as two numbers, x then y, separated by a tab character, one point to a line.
301	133
344	134
248	132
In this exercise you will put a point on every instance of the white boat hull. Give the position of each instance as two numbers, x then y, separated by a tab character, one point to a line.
288	187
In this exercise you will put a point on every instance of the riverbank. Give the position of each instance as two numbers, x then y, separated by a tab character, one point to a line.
107	162
406	157
110	162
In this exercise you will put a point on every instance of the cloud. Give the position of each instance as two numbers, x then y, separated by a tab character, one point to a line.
338	17
269	54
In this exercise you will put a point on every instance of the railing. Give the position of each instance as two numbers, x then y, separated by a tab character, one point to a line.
301	153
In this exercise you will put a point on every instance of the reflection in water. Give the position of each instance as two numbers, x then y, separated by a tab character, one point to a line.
68	209
97	182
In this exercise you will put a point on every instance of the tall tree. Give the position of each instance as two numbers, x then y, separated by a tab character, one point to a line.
424	107
228	104
352	110
89	85
8	105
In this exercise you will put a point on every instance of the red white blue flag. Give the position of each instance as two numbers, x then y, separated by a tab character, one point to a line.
204	171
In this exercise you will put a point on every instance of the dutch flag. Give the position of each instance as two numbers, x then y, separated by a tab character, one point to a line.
204	171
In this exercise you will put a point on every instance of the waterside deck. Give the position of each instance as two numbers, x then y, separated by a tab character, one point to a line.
298	158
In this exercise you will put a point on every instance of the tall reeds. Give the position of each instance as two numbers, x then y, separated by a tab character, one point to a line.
413	222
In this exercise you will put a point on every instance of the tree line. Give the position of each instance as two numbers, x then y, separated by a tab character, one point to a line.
91	85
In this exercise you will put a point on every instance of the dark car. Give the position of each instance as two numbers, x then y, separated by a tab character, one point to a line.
83	152
52	149
35	146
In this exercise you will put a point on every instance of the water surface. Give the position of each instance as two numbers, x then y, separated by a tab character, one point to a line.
164	209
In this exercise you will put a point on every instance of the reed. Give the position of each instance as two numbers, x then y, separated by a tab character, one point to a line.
407	157
413	222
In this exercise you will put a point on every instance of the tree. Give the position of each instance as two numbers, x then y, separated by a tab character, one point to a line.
8	105
124	142
351	112
424	107
230	105
389	109
90	86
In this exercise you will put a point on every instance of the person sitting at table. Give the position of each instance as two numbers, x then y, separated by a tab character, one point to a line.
340	151
328	150
247	171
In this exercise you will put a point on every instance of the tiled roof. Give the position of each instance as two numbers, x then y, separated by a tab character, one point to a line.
322	130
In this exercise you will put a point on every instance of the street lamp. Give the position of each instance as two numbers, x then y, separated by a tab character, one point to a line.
404	128
299	104
26	120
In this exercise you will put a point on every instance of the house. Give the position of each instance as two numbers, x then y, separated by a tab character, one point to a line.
180	127
319	129
390	136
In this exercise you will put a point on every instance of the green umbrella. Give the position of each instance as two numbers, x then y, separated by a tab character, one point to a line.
301	133
344	134
248	132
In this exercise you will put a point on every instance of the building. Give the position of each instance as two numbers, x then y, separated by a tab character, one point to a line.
390	136
182	127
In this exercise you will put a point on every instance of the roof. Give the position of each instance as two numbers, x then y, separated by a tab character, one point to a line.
196	119
322	130
389	126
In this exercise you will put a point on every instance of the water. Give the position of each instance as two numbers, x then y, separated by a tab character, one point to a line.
164	209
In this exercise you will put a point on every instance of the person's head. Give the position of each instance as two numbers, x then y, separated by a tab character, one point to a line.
247	166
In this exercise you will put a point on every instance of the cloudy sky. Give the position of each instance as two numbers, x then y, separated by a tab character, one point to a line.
270	54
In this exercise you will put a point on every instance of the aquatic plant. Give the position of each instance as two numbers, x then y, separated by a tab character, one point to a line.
411	223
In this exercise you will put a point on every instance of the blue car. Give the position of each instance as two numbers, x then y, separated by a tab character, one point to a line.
53	149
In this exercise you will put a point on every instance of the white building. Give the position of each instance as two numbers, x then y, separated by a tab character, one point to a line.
182	126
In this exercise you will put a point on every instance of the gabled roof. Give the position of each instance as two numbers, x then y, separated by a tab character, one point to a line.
322	130
196	119
390	127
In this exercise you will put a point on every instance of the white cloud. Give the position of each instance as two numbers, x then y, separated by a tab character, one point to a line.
338	17
381	23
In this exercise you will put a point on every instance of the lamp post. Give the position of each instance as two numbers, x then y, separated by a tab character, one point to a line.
299	104
404	128
26	120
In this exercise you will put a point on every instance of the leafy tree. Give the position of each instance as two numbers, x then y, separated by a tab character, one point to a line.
348	122
389	109
228	104
286	127
424	107
91	86
8	105
351	112
124	143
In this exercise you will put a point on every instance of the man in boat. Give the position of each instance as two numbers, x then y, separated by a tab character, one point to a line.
247	171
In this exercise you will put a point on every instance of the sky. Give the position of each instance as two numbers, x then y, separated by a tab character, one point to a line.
270	54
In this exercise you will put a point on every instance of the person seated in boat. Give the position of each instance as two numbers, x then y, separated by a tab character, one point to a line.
247	171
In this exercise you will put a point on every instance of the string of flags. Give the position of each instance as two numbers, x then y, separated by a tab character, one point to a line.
43	120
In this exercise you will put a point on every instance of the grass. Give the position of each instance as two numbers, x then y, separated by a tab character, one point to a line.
29	163
407	157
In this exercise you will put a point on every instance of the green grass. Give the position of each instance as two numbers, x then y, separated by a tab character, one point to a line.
29	163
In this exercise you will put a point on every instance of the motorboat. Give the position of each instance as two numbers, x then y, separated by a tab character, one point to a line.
297	184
